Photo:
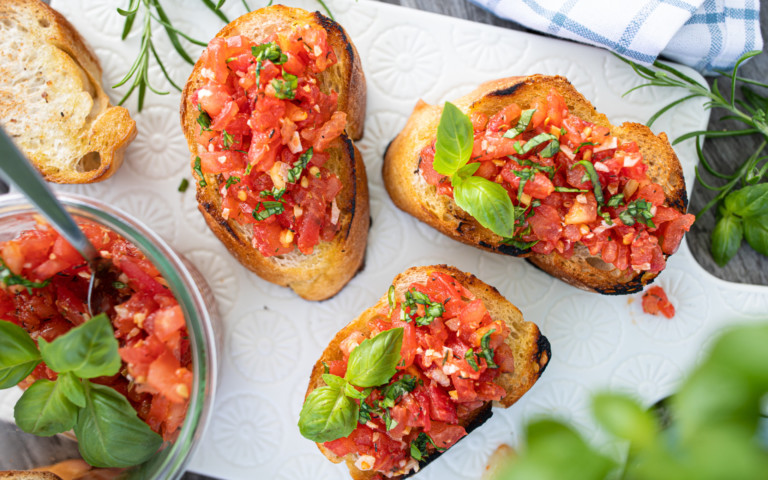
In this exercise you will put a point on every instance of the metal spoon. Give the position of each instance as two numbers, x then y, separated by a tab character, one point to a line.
16	169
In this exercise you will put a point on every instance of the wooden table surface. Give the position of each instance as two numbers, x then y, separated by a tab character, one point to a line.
725	154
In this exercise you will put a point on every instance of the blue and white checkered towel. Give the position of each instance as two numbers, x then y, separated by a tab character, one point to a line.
705	34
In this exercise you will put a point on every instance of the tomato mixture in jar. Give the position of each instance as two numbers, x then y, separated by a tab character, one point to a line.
452	352
265	126
51	298
571	182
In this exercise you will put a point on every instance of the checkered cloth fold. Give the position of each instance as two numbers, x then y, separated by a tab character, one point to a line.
705	34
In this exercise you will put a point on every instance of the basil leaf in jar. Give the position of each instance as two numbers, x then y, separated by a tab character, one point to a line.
88	350
373	362
109	432
455	139
18	354
45	410
328	414
488	203
72	387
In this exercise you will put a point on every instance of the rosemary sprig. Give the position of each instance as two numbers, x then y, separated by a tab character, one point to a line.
745	181
138	73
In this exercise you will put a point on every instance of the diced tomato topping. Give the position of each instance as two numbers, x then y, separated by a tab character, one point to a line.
257	122
148	322
655	302
559	204
450	382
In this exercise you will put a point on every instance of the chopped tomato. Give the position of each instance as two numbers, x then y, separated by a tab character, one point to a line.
149	325
655	302
579	192
265	128
450	382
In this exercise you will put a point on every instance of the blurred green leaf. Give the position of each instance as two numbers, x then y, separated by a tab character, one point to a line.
625	418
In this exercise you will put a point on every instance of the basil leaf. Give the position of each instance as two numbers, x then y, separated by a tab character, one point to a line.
391	298
419	446
199	171
726	238
465	172
592	174
392	392
227	140
749	201
584	144
373	362
18	354
352	392
486	351
183	185
756	233
616	200
285	88
72	388
299	165
45	410
269	51
9	278
203	119
270	208
470	358
551	149
624	418
328	414
455	139
522	124
88	350
334	381
488	203
538	140
109	432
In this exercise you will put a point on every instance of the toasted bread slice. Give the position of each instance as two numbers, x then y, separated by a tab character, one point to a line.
51	100
411	193
332	264
531	349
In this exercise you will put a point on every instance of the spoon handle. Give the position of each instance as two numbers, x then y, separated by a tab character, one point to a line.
17	170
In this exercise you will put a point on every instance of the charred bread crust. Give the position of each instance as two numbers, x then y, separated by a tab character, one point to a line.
332	265
531	349
413	195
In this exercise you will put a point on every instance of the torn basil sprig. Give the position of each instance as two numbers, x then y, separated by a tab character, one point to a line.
487	201
331	412
419	446
109	432
9	278
547	152
638	211
432	310
591	175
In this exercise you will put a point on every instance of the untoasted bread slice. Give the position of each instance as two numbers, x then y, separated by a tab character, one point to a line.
332	264
51	100
531	349
411	193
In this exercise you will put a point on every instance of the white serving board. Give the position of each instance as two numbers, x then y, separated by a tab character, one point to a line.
271	338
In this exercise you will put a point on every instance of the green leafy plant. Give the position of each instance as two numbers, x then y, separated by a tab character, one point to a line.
109	432
707	430
733	223
330	412
138	73
487	201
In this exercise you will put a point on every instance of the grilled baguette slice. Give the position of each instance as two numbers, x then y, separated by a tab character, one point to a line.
332	264
51	100
413	195
531	349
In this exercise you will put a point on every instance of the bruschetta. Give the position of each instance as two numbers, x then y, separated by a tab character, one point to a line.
597	206
52	103
269	113
416	372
